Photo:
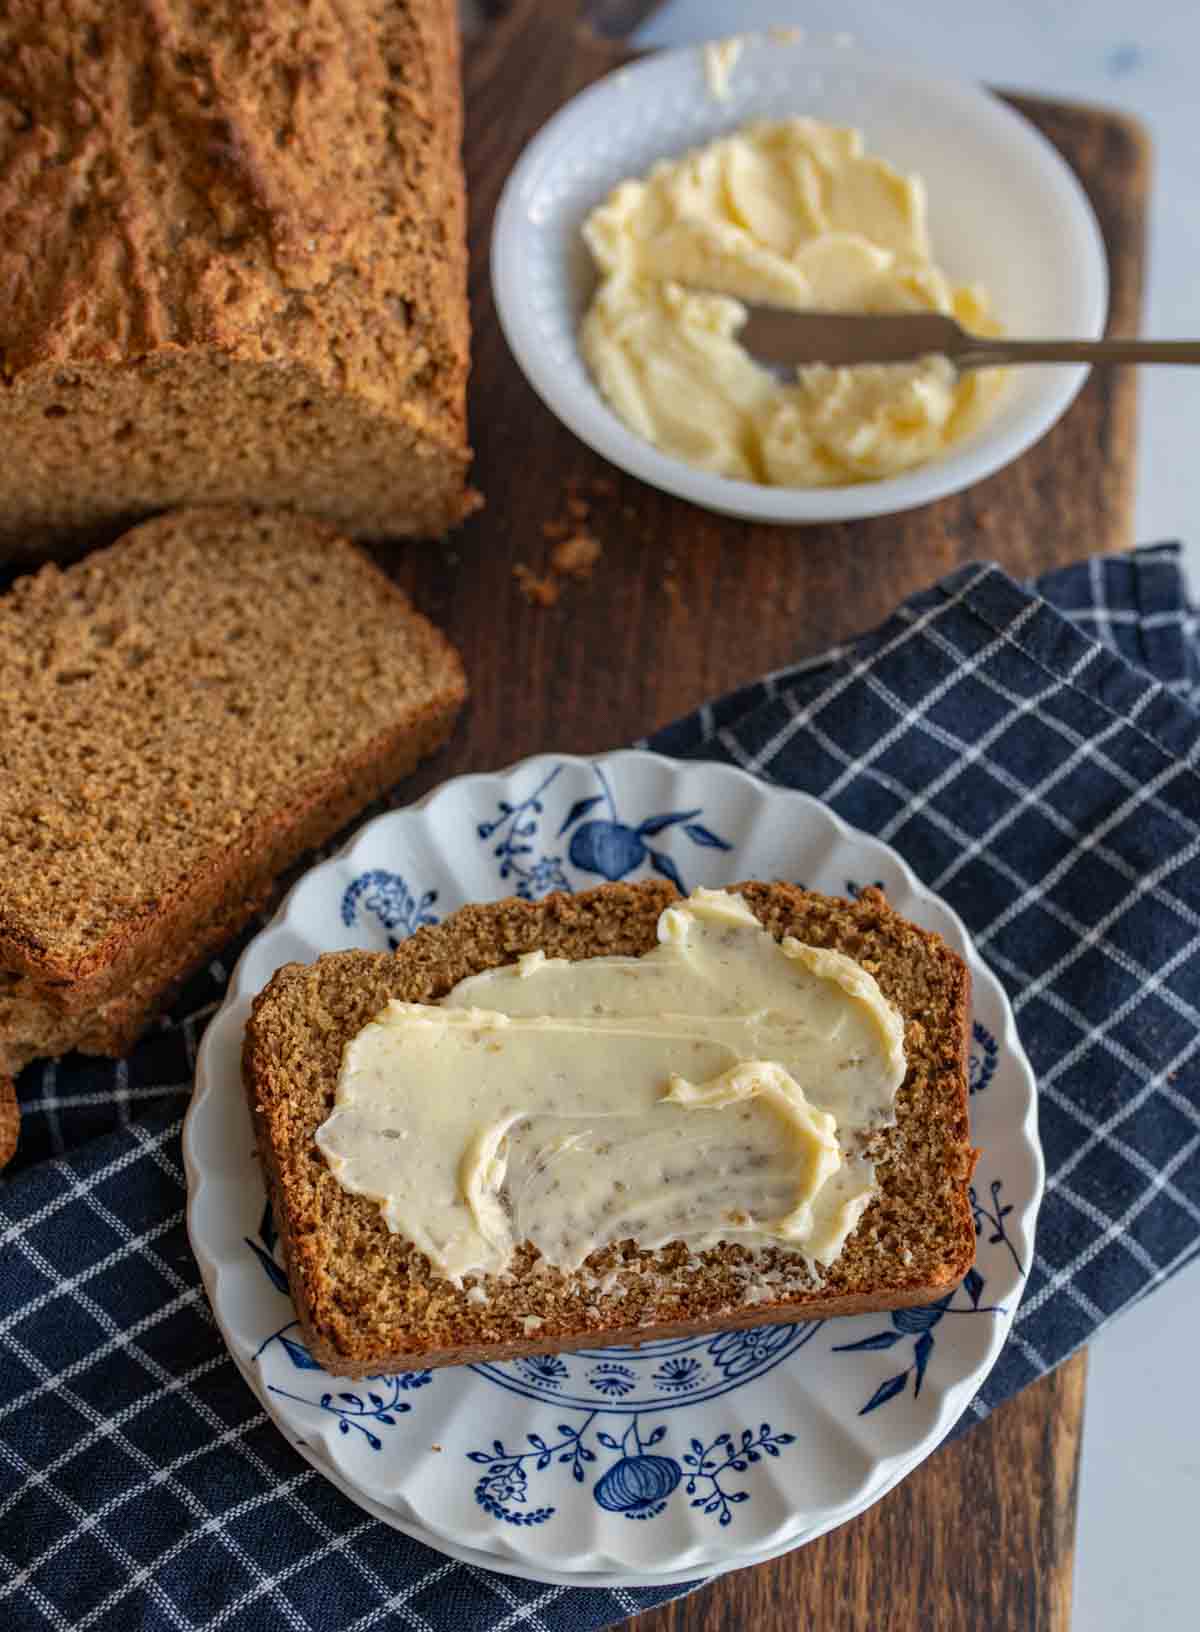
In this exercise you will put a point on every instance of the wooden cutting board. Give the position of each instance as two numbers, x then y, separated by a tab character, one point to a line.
682	605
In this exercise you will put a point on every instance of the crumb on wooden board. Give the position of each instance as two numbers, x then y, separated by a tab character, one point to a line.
575	548
537	590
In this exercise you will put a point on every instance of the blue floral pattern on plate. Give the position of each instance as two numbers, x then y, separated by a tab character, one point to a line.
639	1484
378	1405
919	1323
387	898
655	1376
600	843
983	1058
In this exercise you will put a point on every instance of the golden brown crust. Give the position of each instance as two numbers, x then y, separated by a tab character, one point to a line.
123	829
368	1301
249	282
335	1360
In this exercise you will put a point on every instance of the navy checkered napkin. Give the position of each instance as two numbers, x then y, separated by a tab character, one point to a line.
1033	753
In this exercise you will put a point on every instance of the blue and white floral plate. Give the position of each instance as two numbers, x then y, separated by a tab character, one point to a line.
620	1465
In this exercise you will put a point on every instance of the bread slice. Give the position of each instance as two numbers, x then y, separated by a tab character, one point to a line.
234	265
33	1029
369	1302
181	716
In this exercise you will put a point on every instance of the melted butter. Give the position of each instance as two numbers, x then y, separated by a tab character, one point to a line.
716	1089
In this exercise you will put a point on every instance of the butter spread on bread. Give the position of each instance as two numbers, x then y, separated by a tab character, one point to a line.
718	1088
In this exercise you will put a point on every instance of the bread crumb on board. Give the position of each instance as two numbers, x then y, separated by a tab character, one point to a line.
577	555
538	591
576	549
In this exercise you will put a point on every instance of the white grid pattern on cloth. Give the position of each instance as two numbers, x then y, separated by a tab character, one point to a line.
972	754
139	1575
215	1524
800	715
46	1103
58	1143
186	1428
76	1186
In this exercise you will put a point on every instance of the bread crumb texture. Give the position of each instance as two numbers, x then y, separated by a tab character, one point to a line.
369	1301
233	264
576	555
539	590
181	715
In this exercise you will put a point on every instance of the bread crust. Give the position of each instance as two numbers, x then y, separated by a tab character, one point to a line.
308	1012
81	985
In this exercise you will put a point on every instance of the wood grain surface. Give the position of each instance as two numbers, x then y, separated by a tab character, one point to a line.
682	605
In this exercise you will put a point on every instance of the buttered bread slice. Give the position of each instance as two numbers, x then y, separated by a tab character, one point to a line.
612	1116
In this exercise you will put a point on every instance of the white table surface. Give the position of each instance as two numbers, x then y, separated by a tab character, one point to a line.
1140	1486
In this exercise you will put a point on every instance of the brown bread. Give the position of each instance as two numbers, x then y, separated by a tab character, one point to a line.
233	265
369	1302
33	1029
181	717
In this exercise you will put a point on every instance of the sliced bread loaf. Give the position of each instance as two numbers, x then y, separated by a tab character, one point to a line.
368	1300
233	263
33	1029
181	716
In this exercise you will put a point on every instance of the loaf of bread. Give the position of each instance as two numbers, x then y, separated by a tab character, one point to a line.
232	263
182	715
368	1301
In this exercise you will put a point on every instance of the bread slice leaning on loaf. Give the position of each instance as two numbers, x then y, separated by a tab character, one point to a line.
368	1301
33	1028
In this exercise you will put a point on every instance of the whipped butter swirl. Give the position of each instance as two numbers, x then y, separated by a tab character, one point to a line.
717	1089
794	213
